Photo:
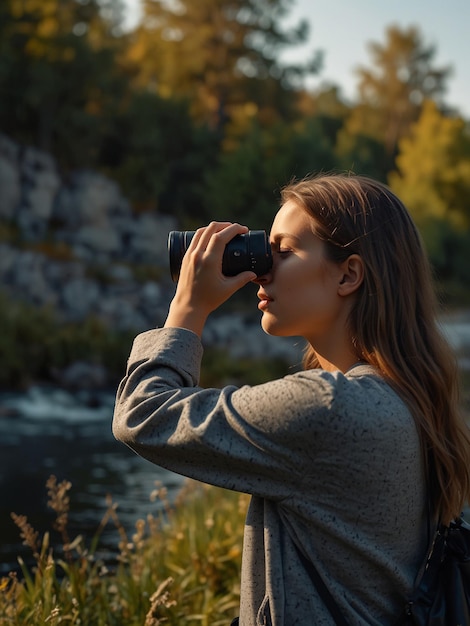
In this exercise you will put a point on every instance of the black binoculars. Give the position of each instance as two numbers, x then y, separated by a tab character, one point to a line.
251	251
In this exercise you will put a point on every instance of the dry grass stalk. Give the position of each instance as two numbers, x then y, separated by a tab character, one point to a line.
28	534
160	598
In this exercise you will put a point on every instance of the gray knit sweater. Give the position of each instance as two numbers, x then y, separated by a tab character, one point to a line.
332	461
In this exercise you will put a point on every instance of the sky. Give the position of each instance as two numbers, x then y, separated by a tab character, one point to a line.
342	29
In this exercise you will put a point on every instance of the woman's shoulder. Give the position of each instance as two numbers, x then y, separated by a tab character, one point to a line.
362	390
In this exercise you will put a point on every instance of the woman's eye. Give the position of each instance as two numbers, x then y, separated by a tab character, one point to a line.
279	250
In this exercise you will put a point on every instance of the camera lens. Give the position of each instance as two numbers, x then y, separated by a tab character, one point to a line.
250	251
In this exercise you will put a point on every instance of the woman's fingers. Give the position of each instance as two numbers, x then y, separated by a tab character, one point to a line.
220	231
210	241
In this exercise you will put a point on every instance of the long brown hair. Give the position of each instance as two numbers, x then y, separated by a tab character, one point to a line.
394	319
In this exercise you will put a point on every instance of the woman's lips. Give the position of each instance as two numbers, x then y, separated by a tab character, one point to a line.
264	301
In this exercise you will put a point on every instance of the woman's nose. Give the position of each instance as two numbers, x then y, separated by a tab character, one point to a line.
264	279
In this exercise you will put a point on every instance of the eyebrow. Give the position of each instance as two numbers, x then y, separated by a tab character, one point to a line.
279	236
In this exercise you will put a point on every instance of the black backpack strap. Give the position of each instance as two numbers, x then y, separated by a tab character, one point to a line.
322	589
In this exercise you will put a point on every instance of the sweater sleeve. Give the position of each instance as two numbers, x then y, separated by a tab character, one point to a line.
253	439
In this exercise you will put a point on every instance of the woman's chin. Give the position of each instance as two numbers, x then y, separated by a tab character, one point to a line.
270	326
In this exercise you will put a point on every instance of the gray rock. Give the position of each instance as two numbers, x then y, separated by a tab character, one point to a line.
104	241
10	186
40	196
82	375
149	237
120	273
34	162
80	297
96	198
8	256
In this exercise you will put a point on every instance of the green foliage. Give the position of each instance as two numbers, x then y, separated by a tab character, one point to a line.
313	145
242	187
182	565
433	180
403	71
158	155
357	149
391	93
216	54
33	344
58	78
246	183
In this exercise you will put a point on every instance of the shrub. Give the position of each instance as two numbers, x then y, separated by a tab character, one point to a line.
34	344
182	566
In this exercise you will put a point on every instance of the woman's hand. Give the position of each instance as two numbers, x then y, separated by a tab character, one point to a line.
202	287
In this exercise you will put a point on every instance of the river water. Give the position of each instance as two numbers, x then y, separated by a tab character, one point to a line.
48	431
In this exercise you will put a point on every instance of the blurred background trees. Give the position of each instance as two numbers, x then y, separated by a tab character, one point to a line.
58	76
391	95
432	177
194	114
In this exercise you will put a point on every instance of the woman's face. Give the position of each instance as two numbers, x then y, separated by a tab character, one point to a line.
299	296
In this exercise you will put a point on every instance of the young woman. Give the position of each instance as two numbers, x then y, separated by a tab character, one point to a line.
346	460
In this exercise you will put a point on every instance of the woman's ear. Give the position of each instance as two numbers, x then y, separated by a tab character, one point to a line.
352	275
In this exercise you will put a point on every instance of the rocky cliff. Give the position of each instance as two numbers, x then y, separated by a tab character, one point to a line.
74	244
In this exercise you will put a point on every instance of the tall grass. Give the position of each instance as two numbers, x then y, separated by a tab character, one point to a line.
179	567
